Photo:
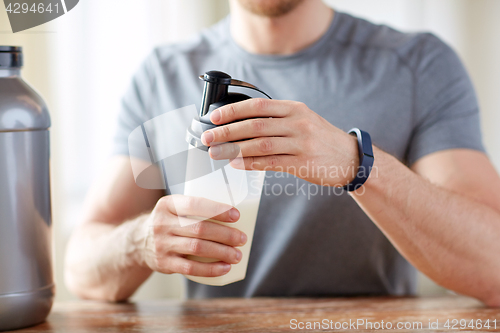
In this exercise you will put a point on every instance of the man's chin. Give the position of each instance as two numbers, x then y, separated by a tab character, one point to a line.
270	8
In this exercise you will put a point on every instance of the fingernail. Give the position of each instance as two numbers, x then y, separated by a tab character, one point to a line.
238	255
215	151
226	268
243	238
234	214
237	162
207	137
215	117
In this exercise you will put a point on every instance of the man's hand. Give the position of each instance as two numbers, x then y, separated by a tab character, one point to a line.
283	136
128	232
170	235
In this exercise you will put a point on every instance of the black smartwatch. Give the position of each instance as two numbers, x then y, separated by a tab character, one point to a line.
365	152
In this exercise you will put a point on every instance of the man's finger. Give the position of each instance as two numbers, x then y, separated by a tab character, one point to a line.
182	205
190	267
251	108
206	249
256	147
212	232
247	129
263	163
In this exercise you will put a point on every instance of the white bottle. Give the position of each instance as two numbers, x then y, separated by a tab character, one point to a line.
242	190
217	180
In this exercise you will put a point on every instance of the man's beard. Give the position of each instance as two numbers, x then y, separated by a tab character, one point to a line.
271	8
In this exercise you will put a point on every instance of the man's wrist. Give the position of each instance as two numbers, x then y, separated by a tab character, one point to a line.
137	239
375	182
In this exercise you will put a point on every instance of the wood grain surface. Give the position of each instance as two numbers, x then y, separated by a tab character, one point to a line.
270	315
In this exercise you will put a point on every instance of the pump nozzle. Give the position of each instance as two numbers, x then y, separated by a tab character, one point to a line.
215	95
216	88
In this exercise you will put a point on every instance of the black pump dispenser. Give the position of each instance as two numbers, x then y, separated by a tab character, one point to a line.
215	95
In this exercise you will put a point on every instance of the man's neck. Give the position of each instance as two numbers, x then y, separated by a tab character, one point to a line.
286	34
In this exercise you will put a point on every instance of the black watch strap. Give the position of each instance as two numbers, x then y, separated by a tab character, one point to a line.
366	159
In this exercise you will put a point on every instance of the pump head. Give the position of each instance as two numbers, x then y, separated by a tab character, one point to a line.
215	95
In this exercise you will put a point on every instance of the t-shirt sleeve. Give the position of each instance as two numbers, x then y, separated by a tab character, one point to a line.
445	103
135	107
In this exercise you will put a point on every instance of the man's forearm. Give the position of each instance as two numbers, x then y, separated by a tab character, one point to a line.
451	238
103	260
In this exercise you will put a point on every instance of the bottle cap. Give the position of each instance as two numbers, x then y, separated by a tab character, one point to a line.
11	57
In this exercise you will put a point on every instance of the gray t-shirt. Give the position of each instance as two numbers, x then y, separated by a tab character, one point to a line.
409	91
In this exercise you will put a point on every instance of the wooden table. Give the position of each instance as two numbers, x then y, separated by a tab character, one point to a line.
268	315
